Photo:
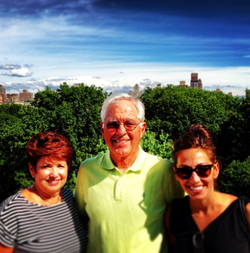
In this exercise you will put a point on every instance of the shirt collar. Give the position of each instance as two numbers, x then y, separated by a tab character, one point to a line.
108	164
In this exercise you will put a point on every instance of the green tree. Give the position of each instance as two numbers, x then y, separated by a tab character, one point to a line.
174	108
244	125
157	145
235	178
10	109
73	112
234	138
12	155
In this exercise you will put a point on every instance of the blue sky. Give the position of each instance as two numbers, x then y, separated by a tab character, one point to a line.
116	44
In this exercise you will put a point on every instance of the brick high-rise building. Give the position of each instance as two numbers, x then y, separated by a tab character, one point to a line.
195	82
25	95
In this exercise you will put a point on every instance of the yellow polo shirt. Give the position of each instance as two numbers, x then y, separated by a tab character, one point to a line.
126	211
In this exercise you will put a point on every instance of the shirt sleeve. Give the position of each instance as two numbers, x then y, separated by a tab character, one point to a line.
7	237
80	191
172	187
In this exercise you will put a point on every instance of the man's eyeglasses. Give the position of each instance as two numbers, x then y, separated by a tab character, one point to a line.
201	171
129	126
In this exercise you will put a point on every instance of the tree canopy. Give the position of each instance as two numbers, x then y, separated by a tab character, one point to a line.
74	112
174	108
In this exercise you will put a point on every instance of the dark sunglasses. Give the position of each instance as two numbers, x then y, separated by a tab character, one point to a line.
201	171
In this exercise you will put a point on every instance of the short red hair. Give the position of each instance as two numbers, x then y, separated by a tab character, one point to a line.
49	144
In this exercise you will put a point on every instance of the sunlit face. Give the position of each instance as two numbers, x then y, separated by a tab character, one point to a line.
197	187
123	143
50	176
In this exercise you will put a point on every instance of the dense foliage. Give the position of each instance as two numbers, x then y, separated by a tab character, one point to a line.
174	108
235	178
70	111
75	113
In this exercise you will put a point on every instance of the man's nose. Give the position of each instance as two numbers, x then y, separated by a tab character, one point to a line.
121	128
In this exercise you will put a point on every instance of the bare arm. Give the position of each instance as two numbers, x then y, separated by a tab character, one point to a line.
248	213
4	249
172	247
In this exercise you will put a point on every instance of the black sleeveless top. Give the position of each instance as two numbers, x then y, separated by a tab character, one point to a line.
224	234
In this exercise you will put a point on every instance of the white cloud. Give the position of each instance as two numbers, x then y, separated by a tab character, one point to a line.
15	70
234	80
23	72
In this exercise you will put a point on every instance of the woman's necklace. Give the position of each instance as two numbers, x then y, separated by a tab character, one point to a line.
33	188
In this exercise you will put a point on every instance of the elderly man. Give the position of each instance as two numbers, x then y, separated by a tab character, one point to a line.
124	192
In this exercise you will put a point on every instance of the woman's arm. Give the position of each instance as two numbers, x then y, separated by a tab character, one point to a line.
171	239
248	213
4	249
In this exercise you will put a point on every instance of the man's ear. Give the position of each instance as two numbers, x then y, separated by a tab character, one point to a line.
102	127
143	128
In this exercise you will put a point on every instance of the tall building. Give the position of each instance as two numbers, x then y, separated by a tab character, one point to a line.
136	91
25	95
183	84
2	94
12	98
195	82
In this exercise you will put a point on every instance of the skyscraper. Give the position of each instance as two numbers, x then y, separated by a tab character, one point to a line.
195	82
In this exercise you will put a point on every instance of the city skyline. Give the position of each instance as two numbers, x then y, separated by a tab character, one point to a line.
117	44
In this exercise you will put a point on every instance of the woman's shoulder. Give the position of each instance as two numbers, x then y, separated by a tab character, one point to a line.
245	203
180	201
68	196
66	191
14	201
226	199
13	197
179	207
176	207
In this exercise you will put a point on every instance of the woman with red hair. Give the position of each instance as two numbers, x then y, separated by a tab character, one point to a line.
43	217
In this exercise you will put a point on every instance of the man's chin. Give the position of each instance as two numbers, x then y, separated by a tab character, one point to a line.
120	151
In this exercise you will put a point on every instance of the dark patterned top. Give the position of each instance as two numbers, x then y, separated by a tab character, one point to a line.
36	228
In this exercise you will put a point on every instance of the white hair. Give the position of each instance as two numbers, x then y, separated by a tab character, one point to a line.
123	96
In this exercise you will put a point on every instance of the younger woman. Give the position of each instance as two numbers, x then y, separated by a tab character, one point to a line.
205	220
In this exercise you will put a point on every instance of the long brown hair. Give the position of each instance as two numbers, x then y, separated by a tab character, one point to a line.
196	136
